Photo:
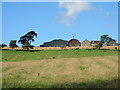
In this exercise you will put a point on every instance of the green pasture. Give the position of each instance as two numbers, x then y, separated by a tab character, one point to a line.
83	68
13	55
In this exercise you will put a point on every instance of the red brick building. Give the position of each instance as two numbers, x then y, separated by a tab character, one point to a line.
74	42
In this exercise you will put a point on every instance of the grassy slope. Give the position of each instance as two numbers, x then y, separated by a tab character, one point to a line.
85	72
83	69
12	55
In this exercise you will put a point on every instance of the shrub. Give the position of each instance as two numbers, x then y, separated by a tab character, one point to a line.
3	45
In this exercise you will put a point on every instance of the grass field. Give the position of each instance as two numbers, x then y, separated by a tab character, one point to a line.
13	55
60	68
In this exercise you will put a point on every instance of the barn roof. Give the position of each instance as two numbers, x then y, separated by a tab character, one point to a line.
74	40
95	41
86	40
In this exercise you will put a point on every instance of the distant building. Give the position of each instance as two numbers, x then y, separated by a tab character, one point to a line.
55	43
118	44
86	43
112	43
74	42
60	42
93	43
48	44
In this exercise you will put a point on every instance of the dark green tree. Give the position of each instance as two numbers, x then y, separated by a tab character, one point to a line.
12	44
27	39
104	40
107	39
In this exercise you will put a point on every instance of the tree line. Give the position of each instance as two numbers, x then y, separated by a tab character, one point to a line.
26	40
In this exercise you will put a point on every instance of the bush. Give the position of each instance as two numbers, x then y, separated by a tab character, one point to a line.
12	44
3	45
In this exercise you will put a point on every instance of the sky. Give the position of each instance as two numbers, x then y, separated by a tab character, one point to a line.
59	20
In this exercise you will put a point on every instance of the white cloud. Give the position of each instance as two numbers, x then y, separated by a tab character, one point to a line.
68	16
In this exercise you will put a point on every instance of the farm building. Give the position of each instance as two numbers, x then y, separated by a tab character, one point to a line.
118	44
74	42
85	43
93	43
112	43
47	44
55	43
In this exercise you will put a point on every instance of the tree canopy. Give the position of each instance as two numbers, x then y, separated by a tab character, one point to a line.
107	39
104	40
27	39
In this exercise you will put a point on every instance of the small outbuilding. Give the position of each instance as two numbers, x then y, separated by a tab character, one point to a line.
74	43
85	43
93	43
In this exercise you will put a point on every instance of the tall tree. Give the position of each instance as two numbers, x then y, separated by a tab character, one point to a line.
27	39
104	40
107	39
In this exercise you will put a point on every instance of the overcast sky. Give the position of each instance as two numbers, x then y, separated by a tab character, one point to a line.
55	20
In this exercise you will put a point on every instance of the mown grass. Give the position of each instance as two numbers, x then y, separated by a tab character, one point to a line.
13	55
68	69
